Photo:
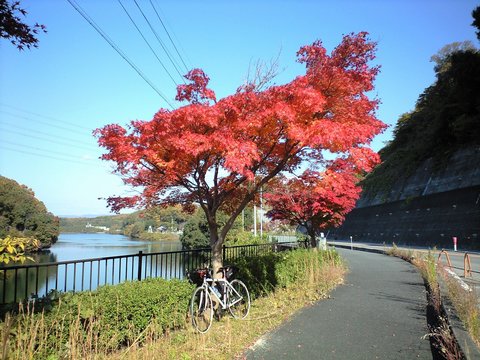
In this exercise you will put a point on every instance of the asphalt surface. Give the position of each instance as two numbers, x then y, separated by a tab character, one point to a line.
456	258
378	314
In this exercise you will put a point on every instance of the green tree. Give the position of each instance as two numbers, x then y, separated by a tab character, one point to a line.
442	57
196	234
476	20
22	215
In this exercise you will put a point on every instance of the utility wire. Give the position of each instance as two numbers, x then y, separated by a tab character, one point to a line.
174	36
47	156
42	122
46	117
48	151
171	40
83	144
159	40
68	144
116	48
143	37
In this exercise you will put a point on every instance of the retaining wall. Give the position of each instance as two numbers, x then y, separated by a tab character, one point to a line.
430	220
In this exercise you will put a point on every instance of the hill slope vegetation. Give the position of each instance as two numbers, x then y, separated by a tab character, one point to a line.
23	215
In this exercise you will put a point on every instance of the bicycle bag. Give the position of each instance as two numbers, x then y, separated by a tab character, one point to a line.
196	276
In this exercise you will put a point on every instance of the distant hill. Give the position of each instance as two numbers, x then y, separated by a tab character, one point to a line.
23	215
446	120
134	225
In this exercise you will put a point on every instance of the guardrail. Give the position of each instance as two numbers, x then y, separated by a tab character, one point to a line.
20	282
439	260
467	266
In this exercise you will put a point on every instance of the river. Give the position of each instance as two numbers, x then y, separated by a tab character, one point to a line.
88	275
84	246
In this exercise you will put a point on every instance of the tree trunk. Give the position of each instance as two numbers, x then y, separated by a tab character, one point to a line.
313	240
216	243
217	258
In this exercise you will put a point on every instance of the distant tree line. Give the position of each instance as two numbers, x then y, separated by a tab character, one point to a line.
446	117
22	215
196	234
135	225
193	228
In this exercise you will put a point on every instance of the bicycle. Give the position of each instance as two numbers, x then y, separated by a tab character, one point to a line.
232	295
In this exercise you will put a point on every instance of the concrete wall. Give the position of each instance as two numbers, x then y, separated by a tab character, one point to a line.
429	220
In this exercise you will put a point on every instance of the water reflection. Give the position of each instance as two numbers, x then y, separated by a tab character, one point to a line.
17	284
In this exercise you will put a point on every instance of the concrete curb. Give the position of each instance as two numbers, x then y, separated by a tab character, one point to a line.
464	340
358	248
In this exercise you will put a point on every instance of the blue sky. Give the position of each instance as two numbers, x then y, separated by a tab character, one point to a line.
51	98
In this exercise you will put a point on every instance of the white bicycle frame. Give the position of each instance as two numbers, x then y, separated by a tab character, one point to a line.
208	283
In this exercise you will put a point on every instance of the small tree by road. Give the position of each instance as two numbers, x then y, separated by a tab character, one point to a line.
318	200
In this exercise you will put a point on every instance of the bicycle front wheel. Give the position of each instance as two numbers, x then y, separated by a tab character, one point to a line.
238	299
201	309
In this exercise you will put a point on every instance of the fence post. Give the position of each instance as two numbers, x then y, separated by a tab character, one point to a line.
140	254
224	252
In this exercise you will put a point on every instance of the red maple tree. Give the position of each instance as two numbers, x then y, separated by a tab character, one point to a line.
320	200
218	154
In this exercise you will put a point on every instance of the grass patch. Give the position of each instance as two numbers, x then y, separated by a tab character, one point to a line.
466	303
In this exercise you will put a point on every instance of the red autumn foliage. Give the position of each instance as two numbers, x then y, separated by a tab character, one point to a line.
218	155
320	200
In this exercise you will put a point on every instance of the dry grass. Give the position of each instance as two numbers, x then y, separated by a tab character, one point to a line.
466	303
29	335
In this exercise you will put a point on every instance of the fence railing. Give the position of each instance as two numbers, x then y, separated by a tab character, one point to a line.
21	282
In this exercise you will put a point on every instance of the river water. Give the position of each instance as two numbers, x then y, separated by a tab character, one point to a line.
88	275
84	246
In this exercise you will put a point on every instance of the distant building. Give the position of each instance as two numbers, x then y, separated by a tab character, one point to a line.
102	228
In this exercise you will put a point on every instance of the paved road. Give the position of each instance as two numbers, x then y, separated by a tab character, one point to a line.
457	259
378	314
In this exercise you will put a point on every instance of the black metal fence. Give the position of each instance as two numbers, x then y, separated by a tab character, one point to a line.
21	282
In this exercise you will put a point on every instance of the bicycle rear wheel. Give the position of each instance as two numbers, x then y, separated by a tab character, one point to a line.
201	309
238	299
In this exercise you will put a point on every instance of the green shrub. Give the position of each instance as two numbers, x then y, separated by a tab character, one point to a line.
263	273
258	272
112	316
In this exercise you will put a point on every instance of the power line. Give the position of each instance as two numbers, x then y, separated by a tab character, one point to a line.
83	144
43	122
116	48
47	156
159	40
68	144
141	34
171	40
174	36
48	151
46	117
